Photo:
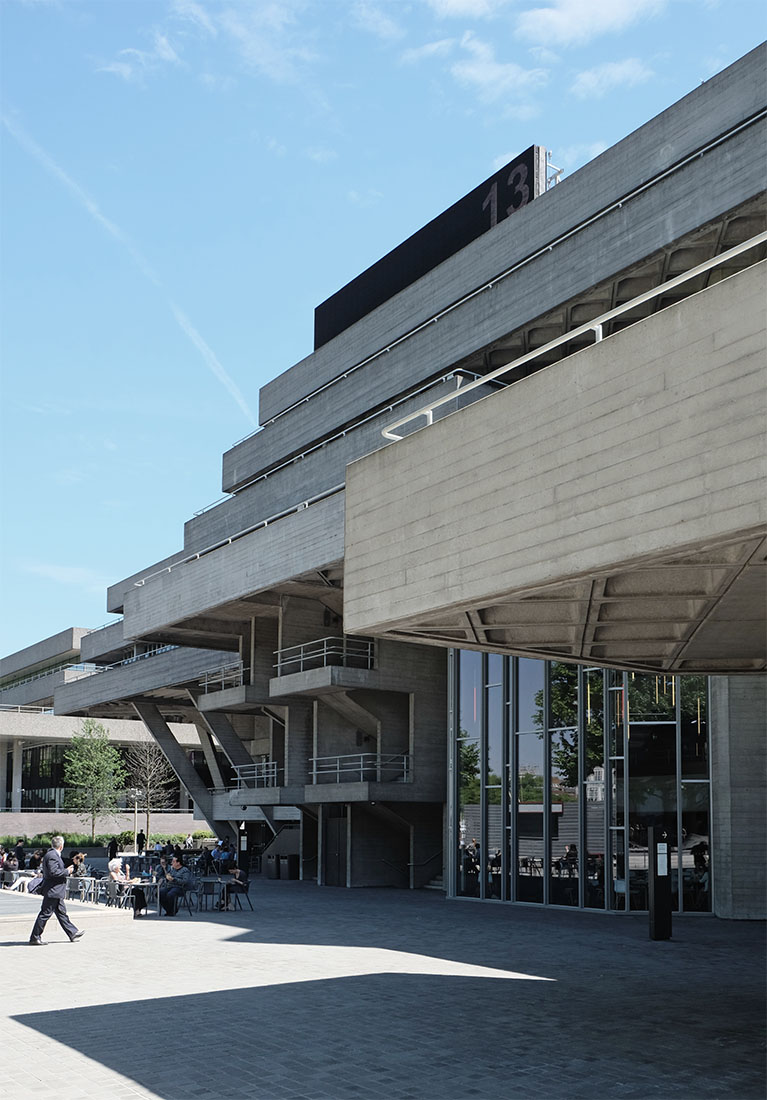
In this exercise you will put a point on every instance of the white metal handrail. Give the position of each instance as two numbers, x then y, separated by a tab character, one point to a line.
294	508
225	676
9	707
361	767
458	373
592	219
594	326
265	774
347	650
64	667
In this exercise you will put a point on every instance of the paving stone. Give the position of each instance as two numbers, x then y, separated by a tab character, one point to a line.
324	994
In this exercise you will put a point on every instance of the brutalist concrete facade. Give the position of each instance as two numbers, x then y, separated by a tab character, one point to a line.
345	730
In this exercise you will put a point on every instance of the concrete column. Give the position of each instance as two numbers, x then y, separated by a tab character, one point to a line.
299	731
739	796
183	768
4	747
16	775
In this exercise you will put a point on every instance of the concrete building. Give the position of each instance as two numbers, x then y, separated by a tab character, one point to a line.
33	740
482	647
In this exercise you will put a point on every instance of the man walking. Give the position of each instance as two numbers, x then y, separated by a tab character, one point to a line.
53	889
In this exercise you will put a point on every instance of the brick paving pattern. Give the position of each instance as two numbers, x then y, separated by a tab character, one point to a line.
329	994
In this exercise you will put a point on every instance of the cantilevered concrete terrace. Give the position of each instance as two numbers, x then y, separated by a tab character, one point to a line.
610	509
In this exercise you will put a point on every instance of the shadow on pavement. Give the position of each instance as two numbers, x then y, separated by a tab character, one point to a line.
405	1035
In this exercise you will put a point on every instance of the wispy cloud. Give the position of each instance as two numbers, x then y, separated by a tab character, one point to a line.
211	360
133	64
492	79
263	37
369	17
464	9
596	82
194	13
423	53
82	197
573	22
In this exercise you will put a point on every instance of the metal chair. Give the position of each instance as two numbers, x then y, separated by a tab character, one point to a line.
115	896
189	900
236	896
208	894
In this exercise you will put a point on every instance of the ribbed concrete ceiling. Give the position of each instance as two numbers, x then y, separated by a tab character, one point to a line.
701	612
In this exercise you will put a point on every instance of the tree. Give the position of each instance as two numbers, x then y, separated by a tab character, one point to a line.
152	778
93	772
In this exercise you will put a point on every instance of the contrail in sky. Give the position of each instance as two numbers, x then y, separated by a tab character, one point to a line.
83	198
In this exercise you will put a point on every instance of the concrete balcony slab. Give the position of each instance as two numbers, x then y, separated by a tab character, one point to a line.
335	678
610	509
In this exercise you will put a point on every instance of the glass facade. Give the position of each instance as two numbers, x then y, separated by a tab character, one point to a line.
559	771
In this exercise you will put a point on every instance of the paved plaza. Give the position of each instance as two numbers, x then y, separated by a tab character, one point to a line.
329	994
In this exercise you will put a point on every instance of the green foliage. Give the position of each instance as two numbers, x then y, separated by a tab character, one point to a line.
530	787
93	772
202	834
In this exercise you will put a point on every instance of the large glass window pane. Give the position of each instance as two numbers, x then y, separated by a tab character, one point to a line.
493	790
617	713
530	695
652	773
696	866
470	694
694	727
564	824
468	749
594	800
530	816
618	883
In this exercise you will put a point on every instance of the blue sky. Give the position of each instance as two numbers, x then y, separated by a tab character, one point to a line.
183	182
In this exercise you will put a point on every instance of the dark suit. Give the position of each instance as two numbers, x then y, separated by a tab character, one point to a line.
53	889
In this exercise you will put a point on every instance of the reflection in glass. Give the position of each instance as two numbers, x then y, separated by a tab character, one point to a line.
563	887
469	828
530	698
538	751
617	713
493	788
696	856
694	727
470	695
530	816
618	866
594	802
470	724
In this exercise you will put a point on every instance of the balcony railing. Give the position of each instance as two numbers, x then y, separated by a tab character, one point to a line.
89	669
361	767
225	676
347	651
9	708
265	774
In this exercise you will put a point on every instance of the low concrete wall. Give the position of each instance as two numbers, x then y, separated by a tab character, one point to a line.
27	823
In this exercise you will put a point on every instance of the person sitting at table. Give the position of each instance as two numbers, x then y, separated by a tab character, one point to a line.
126	884
11	862
178	880
238	885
